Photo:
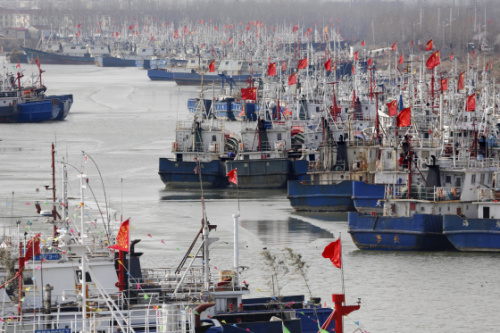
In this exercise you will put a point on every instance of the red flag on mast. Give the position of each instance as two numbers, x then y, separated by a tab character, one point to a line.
403	119
271	69
429	46
32	248
302	63
292	79
123	237
211	67
393	108
328	65
461	81
333	251
233	176
394	46
471	103
433	60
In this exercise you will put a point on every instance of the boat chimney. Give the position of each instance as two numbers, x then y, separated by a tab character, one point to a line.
47	300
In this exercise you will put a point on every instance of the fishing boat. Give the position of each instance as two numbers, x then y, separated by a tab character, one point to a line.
481	234
65	282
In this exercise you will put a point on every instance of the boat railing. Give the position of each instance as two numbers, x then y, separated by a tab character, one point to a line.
466	163
194	280
400	191
166	318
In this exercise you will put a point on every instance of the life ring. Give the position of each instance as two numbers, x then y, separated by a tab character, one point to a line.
440	193
454	192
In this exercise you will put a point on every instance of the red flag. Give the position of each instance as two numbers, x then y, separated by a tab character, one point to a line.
328	65
79	26
32	248
233	176
444	84
411	43
473	54
249	93
363	43
461	81
353	69
369	62
433	60
429	46
37	61
131	27
19	63
471	103
394	46
230	40
122	239
486	69
356	56
401	59
283	67
451	56
403	119
292	79
303	63
393	108
271	69
333	251
211	67
295	28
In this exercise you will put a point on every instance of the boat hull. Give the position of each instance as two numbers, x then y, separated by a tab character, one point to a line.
181	174
183	79
56	58
262	173
472	235
421	232
366	197
35	112
64	103
109	61
160	75
307	196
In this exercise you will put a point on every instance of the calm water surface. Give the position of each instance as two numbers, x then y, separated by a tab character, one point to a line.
125	123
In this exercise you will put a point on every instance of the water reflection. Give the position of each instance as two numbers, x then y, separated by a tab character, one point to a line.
285	232
226	193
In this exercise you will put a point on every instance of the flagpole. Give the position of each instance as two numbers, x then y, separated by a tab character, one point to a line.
342	265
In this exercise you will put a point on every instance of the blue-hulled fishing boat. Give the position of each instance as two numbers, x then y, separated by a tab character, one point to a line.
481	234
314	196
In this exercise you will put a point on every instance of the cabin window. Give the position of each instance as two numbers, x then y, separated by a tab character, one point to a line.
366	108
448	208
448	179
459	211
346	109
317	109
422	209
73	48
482	179
82	48
279	136
490	178
440	209
473	179
389	155
214	138
458	182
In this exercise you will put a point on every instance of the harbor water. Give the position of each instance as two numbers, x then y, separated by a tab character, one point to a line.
124	123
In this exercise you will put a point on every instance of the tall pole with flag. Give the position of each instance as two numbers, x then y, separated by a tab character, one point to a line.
233	178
